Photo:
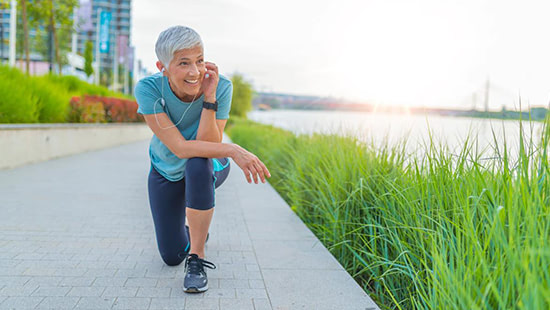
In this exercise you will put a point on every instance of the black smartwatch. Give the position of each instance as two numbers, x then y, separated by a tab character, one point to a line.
210	105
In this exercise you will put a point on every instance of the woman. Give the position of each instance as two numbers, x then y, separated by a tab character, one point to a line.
187	105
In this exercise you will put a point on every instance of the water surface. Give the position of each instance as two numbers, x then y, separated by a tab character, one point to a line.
417	130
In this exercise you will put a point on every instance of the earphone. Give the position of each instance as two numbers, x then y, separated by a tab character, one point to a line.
163	103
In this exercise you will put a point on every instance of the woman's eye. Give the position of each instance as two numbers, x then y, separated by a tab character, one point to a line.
201	61
183	63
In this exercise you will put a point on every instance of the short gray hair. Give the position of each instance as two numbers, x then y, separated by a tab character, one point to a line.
174	39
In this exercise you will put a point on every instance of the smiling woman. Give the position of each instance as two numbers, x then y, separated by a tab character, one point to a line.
187	105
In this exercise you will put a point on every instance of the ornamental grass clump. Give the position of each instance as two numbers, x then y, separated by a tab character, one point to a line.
76	87
31	99
430	230
51	100
44	99
16	102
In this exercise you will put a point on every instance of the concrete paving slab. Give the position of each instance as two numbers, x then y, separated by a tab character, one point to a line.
77	233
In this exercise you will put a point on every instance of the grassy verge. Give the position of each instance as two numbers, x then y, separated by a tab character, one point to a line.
437	232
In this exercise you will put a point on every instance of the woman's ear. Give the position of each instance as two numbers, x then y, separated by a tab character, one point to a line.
160	66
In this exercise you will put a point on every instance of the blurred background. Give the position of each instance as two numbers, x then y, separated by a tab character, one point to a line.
398	60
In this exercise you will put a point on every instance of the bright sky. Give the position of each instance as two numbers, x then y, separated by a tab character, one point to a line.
417	53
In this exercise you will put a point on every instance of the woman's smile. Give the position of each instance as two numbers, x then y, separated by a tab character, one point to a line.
192	81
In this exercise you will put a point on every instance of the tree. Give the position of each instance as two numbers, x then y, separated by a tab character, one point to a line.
4	5
241	102
25	34
58	16
22	33
88	57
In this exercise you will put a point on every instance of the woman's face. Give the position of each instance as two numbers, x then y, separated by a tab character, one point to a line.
186	73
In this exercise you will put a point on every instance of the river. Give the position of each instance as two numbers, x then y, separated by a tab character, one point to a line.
380	128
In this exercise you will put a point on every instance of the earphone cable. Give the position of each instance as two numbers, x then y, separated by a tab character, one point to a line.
163	103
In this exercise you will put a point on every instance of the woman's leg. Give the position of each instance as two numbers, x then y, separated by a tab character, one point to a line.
167	203
202	176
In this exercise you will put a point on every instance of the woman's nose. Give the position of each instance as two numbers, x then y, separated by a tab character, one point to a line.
195	70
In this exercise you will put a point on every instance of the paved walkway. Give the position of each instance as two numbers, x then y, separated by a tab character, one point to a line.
77	233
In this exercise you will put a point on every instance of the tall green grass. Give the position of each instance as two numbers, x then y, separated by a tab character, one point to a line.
41	99
437	231
17	104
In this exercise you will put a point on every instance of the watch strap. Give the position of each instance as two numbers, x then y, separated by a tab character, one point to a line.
210	105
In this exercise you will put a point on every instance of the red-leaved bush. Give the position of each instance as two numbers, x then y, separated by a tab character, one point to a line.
113	110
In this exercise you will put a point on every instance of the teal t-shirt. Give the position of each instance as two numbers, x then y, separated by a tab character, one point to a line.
148	93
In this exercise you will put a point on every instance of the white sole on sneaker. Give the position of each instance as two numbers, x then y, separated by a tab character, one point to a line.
195	289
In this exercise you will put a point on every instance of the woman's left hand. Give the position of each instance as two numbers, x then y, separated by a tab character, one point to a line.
210	82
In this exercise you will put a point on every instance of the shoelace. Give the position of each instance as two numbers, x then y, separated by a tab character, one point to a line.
196	264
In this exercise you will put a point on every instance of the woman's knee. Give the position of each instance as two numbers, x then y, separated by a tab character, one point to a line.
199	183
173	259
198	167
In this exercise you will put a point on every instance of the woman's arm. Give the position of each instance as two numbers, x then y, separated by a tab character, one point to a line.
210	129
208	126
176	143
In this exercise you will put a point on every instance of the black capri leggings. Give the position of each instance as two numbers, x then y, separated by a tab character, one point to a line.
168	201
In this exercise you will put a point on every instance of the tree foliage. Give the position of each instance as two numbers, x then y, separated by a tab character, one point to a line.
55	16
242	96
88	57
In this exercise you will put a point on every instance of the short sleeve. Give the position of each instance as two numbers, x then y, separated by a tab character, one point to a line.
224	101
148	102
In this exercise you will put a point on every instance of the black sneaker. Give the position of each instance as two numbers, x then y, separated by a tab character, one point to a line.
195	280
189	238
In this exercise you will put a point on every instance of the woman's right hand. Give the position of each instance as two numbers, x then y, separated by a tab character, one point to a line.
250	164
